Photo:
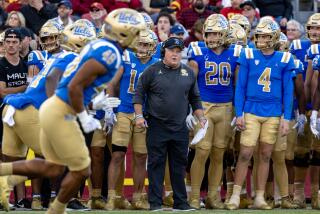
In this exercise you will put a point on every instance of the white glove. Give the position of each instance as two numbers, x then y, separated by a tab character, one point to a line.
8	117
88	123
103	101
191	121
301	122
110	119
313	123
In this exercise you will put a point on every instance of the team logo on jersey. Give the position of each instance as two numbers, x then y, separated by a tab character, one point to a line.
256	62
184	72
133	65
160	72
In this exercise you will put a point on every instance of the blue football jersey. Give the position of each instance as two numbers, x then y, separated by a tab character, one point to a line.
299	49
133	68
104	52
265	85
316	63
35	93
199	44
38	58
216	73
313	51
157	54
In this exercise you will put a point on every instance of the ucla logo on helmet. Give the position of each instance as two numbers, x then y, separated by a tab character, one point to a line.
128	19
274	26
82	31
223	24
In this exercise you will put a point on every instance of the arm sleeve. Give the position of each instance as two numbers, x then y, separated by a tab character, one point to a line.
142	87
287	87
194	94
241	85
288	9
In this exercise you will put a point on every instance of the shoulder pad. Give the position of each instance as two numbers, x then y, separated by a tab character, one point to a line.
237	50
126	56
249	53
296	44
314	49
196	49
285	57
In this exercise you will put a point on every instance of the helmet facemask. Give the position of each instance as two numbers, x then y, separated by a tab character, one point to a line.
50	43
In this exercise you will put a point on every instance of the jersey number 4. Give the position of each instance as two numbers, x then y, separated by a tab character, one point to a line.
264	80
223	70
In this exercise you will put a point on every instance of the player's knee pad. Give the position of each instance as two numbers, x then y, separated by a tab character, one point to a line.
315	158
301	159
116	148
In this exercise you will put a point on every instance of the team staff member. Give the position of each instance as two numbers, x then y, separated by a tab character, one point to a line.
169	87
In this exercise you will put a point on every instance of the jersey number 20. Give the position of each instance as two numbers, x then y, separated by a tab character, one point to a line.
264	80
220	70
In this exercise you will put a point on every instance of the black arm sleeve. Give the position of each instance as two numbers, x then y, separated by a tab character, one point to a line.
194	96
142	87
288	9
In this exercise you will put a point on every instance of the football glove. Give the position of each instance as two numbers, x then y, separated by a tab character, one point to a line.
191	121
313	123
88	123
103	101
110	119
301	122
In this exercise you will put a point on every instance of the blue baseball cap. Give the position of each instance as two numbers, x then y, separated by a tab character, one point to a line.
66	3
176	29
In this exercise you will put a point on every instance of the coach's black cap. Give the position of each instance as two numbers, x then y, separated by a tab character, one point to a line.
173	42
12	33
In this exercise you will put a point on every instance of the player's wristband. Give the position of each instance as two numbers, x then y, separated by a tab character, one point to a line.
138	116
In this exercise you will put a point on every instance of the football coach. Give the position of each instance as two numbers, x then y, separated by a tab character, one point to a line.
166	89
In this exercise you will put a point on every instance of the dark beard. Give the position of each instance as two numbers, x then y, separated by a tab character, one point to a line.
199	5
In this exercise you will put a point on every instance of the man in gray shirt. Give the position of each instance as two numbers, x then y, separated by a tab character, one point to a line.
167	87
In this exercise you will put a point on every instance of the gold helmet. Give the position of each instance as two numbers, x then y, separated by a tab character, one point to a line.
270	28
75	36
313	21
216	23
123	26
284	44
146	43
237	35
50	30
242	21
264	18
148	20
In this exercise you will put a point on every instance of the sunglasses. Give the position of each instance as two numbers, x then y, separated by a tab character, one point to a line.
94	9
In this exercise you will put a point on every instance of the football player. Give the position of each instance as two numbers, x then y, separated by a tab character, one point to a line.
245	24
286	144
215	67
60	133
49	42
124	130
264	85
306	144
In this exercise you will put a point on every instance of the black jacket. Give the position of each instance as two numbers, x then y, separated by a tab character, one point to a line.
35	19
274	8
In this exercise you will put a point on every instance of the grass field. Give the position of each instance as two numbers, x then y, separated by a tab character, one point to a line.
275	211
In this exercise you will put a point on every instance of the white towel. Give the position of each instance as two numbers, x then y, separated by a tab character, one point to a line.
200	134
8	117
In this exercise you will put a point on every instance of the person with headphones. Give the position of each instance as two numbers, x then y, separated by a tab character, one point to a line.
169	86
